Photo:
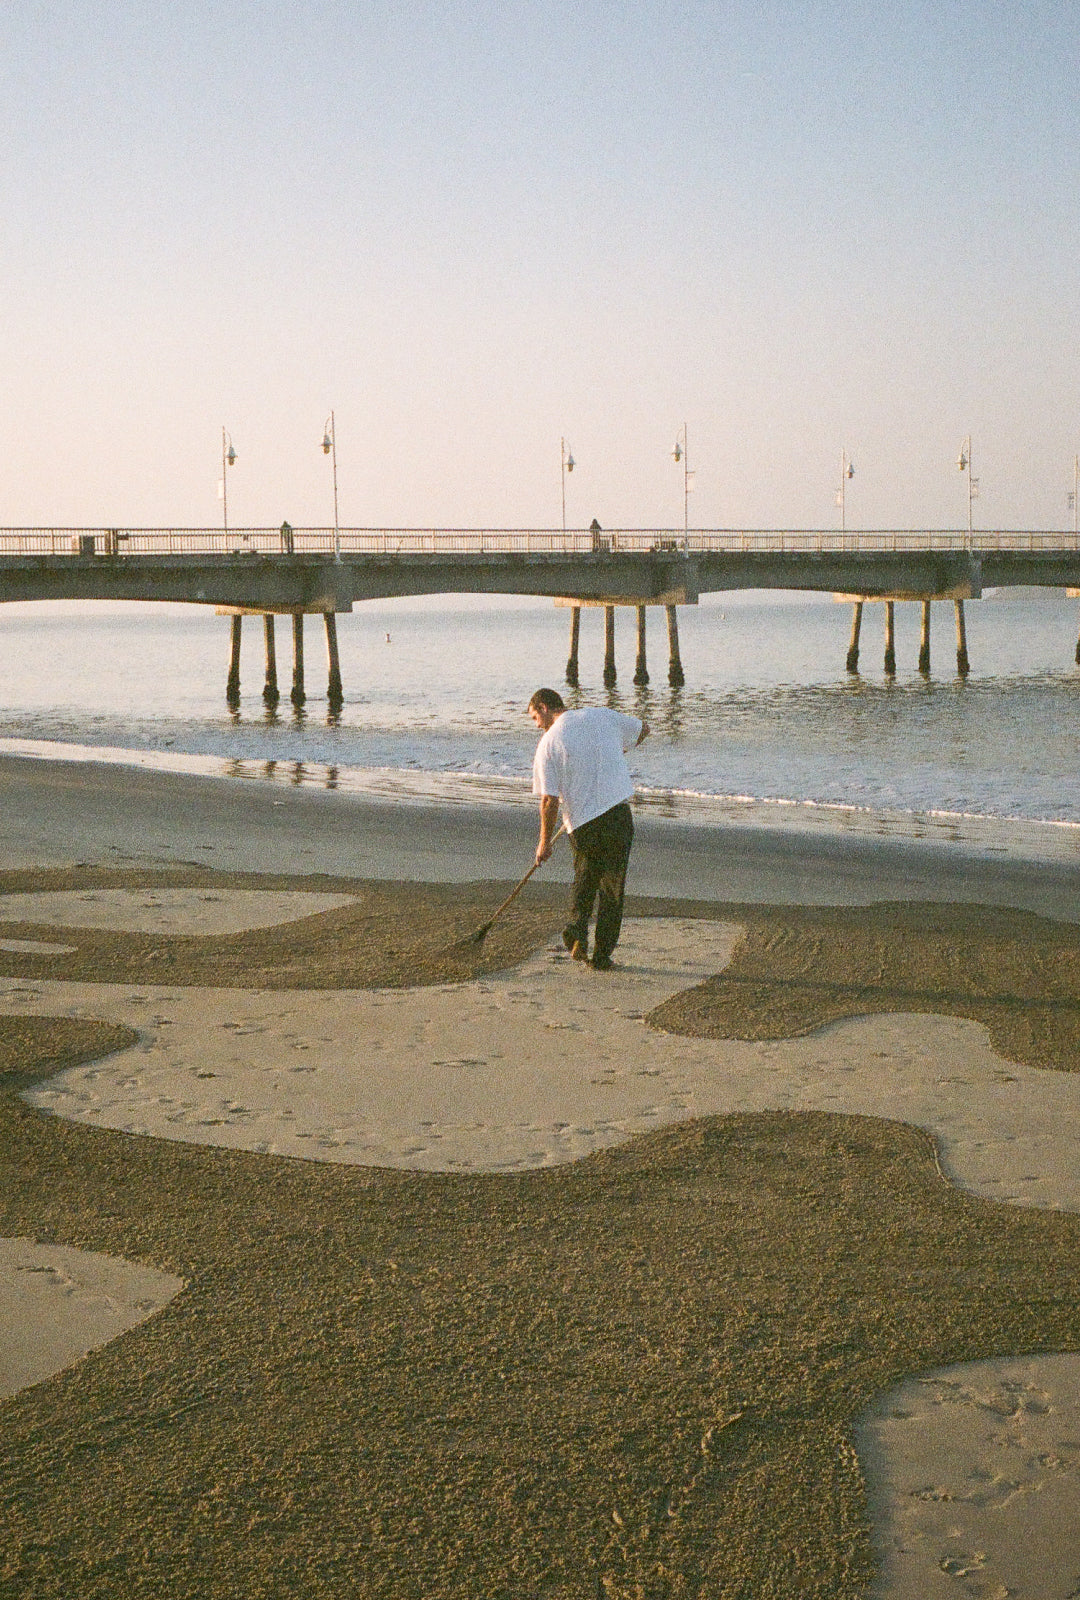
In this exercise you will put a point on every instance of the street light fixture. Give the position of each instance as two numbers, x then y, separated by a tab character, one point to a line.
568	464
847	471
1074	497
963	462
679	453
228	457
329	444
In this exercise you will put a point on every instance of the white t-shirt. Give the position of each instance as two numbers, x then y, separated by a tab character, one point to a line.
582	759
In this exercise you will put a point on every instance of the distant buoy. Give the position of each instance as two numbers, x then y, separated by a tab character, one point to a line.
388	638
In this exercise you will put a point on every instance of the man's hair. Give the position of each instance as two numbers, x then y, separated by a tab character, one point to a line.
551	699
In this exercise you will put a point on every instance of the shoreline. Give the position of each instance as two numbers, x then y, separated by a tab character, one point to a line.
1046	839
66	813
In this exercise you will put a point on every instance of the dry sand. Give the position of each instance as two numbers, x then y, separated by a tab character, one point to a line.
207	911
57	1304
492	1076
974	1477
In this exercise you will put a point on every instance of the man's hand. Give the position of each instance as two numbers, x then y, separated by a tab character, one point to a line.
549	814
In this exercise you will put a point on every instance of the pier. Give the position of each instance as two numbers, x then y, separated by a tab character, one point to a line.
297	572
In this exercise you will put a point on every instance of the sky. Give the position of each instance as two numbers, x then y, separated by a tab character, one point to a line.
476	230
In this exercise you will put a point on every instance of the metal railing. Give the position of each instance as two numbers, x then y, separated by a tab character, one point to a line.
241	542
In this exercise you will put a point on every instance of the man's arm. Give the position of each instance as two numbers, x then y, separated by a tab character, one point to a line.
549	816
644	734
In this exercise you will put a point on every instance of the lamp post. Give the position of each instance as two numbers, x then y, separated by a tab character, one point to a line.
329	444
228	457
568	464
963	462
1074	497
847	471
679	453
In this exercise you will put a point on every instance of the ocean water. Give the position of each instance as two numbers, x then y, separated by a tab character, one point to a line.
769	728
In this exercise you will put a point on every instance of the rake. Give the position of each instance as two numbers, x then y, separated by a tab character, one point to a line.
481	933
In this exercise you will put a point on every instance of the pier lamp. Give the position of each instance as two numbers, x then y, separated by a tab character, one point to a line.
568	464
680	452
1074	498
228	458
847	470
329	444
963	462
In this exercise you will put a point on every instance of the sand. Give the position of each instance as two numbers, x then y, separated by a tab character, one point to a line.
57	814
206	911
490	1076
973	1481
58	1304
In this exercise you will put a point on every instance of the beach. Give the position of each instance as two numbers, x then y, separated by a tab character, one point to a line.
499	1280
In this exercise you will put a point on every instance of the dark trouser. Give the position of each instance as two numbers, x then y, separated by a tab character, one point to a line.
601	853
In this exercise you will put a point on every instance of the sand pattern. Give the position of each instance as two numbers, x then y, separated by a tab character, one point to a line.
549	1064
540	1066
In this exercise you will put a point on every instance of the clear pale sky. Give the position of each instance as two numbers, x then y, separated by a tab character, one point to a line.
475	228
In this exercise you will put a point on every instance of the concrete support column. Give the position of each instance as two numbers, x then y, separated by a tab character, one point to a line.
853	647
924	640
961	640
641	669
232	686
270	688
575	640
675	674
890	637
609	646
333	688
298	696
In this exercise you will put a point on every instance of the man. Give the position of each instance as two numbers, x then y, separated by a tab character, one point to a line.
581	762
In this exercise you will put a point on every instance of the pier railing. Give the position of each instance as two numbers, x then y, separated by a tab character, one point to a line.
121	542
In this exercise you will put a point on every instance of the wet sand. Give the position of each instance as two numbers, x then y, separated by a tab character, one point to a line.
57	814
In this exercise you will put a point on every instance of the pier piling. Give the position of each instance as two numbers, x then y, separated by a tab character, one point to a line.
641	669
270	687
333	688
298	696
675	674
890	637
924	640
961	641
609	646
232	686
575	640
856	628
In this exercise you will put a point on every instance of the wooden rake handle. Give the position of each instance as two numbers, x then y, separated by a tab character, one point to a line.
518	887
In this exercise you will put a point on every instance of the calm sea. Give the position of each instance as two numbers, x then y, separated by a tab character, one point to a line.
769	727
